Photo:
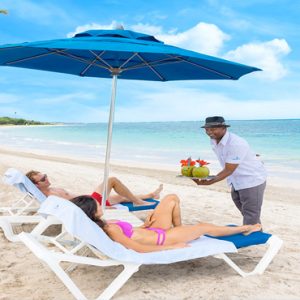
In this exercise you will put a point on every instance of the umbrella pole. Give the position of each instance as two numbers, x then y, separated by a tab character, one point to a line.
109	138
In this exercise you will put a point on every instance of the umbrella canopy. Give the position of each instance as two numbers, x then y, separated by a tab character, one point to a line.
121	54
132	55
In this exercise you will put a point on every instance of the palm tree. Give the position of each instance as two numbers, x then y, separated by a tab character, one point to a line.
3	11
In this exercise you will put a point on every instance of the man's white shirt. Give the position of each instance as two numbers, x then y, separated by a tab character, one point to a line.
233	149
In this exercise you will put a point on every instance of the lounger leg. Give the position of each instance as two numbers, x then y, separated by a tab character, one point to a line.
231	264
61	274
107	294
28	200
118	282
7	222
8	231
274	244
53	263
44	224
53	260
24	205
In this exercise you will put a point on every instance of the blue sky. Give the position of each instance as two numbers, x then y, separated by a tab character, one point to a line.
261	33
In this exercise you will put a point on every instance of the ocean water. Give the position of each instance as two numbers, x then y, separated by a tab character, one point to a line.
159	143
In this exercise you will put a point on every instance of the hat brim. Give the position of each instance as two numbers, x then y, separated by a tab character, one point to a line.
215	126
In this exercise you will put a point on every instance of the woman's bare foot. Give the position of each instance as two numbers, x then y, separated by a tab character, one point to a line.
156	193
142	202
252	228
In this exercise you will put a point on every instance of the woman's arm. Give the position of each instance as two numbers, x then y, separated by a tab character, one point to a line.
118	236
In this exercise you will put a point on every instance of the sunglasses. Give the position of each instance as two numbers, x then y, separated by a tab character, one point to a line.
43	179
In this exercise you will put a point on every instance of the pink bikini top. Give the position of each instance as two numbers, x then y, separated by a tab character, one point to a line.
126	227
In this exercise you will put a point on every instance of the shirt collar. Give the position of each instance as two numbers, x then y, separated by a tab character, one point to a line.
225	138
223	141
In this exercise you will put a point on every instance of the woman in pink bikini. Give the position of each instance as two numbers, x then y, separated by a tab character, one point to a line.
162	229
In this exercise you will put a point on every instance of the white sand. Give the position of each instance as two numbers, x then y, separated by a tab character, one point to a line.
23	276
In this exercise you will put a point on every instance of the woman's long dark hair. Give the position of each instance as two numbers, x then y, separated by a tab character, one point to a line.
89	206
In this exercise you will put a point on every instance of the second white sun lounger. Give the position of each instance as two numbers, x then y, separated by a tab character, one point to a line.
28	203
31	199
18	213
88	233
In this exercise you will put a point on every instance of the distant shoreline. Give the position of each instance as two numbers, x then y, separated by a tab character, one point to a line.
9	121
137	122
31	125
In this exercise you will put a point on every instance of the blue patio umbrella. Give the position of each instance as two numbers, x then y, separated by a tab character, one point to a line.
120	54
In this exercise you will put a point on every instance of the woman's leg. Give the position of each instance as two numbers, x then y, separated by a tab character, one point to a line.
166	214
154	195
215	230
187	233
119	198
124	193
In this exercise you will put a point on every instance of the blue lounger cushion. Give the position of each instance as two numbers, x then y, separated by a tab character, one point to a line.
240	240
132	207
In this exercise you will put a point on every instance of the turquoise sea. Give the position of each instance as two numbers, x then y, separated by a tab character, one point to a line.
159	143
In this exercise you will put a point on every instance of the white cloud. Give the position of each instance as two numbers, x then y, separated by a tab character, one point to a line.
204	37
147	28
91	26
265	55
174	104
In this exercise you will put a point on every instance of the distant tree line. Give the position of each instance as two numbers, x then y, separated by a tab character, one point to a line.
18	121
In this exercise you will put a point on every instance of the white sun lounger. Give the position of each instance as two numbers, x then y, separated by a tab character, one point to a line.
31	199
111	253
29	202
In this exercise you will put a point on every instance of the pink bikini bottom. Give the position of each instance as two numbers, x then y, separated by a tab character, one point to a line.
161	235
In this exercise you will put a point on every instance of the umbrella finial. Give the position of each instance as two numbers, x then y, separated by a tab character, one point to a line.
119	27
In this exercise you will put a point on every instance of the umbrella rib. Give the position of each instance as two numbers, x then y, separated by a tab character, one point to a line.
101	59
80	59
87	67
110	67
58	52
206	68
152	64
157	62
91	63
178	59
107	66
32	57
129	59
151	68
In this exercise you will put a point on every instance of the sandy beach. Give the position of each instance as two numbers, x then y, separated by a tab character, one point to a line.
22	276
